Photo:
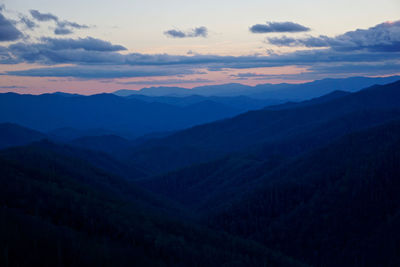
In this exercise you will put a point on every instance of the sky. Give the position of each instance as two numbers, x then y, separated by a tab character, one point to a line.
90	46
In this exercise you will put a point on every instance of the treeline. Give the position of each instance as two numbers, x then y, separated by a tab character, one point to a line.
61	211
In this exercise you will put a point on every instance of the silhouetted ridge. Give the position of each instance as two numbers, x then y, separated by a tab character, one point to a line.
14	135
126	117
302	127
283	91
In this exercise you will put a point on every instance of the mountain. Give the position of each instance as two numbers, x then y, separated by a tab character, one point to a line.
242	103
267	132
55	209
284	91
126	117
15	135
155	91
67	134
101	151
111	144
316	180
335	206
205	186
318	100
319	87
230	89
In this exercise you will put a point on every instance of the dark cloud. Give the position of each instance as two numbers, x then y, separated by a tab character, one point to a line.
61	51
247	75
384	37
95	51
262	77
196	32
200	31
88	43
99	72
48	54
52	51
175	34
166	65
28	23
54	44
12	87
278	27
64	27
62	31
8	31
386	68
74	25
43	16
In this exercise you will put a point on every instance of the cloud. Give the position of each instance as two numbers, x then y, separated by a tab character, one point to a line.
278	27
377	47
386	68
43	16
8	31
175	34
28	23
251	75
95	51
55	44
263	77
62	31
384	37
88	44
50	54
74	25
52	51
196	32
60	51
248	75
101	72
64	27
12	87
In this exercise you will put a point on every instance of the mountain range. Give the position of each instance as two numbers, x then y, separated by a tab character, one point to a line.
265	132
306	183
283	91
105	113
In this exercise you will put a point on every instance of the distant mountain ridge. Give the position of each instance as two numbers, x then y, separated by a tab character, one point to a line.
107	112
283	91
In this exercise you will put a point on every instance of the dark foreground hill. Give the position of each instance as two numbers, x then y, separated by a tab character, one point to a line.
96	150
56	210
335	206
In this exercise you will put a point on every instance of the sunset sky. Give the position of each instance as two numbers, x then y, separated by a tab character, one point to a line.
98	46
